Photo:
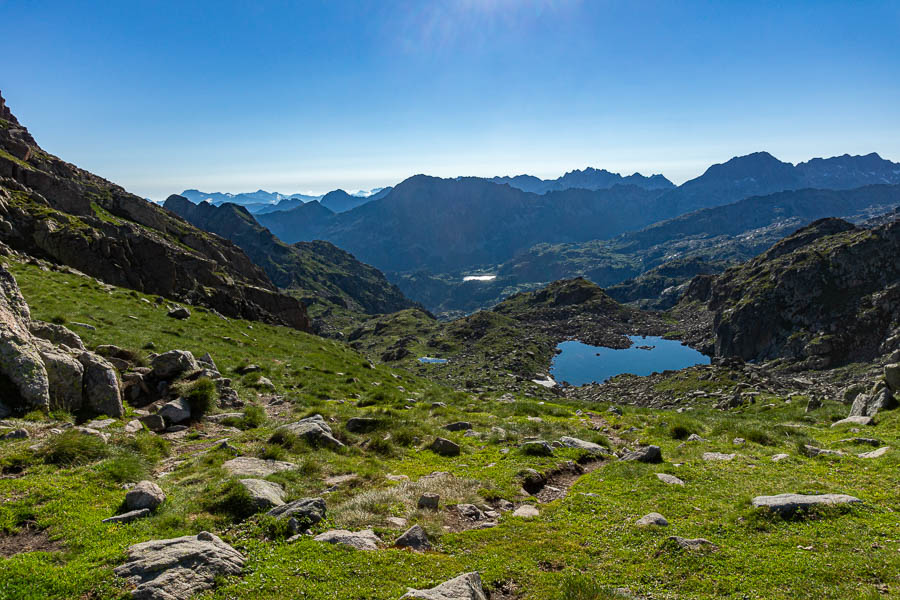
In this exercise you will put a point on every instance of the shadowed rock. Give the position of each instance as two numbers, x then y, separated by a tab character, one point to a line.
415	539
647	454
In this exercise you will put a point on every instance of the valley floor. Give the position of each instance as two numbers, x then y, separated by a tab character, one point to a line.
583	543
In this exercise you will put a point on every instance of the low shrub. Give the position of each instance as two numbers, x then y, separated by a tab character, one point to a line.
74	448
126	466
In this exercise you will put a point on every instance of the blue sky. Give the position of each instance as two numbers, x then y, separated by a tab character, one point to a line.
311	96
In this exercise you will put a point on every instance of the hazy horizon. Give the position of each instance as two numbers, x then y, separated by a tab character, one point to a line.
161	97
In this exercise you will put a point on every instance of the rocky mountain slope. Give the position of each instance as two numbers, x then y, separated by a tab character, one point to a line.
319	273
340	201
52	209
826	295
260	200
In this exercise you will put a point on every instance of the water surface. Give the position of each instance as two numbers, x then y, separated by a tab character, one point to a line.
580	363
430	360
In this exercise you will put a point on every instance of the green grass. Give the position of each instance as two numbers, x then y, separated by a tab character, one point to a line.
583	546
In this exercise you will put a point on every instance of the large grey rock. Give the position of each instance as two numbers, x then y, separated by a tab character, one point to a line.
414	538
171	364
247	466
892	377
717	456
20	360
670	479
128	517
813	451
878	399
175	411
65	375
526	511
302	513
265	494
537	448
444	447
789	504
428	501
178	568
56	334
179	312
875	453
154	422
653	519
571	442
647	454
315	430
361	540
145	494
465	587
458	426
101	386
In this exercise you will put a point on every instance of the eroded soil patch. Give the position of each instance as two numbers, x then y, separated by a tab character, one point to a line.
28	539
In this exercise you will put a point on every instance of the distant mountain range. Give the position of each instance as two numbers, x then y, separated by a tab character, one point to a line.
445	225
340	201
588	179
262	201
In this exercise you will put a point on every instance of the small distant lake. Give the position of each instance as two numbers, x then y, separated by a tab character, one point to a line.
432	361
580	363
479	277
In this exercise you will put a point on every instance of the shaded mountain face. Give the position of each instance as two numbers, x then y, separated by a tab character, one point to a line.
826	295
318	272
761	173
588	179
446	224
54	210
340	201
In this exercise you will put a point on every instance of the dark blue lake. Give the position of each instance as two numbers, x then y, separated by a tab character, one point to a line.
579	363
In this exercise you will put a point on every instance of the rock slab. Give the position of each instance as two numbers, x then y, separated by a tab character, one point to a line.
176	569
789	504
465	587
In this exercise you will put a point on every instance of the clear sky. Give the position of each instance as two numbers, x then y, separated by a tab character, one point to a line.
310	96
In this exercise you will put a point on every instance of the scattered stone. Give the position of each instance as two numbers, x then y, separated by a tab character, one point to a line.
247	466
153	422
712	456
813	403
526	511
175	411
505	505
178	568
361	540
875	453
128	517
789	504
693	544
444	447
878	399
173	363
812	451
428	501
653	519
179	312
94	432
133	426
614	410
415	539
738	441
571	442
647	454
854	421
102	395
100	423
465	587
537	448
145	494
301	514
15	434
438	405
470	512
218	418
458	426
265	383
361	424
397	522
315	430
892	377
695	438
670	479
265	494
780	457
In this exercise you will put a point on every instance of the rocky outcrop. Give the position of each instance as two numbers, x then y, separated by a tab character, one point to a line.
178	568
826	295
465	587
37	374
54	210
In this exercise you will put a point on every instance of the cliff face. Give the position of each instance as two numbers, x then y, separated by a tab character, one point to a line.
54	210
826	295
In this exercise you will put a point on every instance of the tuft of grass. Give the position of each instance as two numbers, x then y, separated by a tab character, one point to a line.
254	416
578	586
230	499
126	466
74	448
149	446
201	396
